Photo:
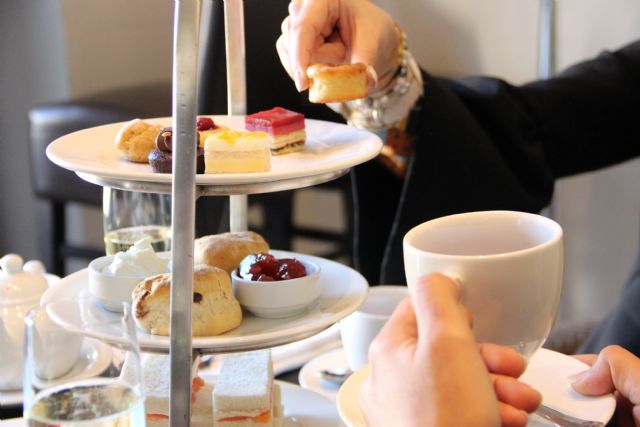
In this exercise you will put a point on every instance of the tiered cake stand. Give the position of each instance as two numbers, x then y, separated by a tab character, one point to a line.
331	150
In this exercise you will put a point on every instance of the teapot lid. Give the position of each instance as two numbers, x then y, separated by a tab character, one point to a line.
20	283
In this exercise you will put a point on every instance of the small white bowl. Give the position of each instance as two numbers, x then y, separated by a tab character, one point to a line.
282	298
109	290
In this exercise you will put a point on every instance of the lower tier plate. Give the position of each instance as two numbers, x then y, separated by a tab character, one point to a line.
343	291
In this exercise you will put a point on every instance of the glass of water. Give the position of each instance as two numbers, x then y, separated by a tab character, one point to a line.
131	215
81	368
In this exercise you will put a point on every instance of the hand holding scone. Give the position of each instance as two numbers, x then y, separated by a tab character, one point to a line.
338	32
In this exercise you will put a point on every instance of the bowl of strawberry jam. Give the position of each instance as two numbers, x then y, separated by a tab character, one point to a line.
276	287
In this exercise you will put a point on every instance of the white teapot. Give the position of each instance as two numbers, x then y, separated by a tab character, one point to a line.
21	287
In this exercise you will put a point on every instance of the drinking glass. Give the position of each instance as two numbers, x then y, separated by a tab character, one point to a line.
131	215
72	379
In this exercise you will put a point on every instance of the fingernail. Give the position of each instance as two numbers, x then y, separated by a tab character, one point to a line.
373	76
577	377
298	80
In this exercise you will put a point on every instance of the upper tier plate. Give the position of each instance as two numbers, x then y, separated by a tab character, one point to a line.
330	147
343	290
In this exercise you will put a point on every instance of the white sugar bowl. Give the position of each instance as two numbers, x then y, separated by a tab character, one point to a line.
21	286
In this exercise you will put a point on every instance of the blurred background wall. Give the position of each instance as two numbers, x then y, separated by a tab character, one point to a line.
60	49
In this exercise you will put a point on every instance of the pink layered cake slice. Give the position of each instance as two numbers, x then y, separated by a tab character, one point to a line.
284	127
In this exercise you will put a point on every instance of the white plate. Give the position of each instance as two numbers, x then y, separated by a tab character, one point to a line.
343	290
329	147
309	376
547	372
302	408
305	408
94	358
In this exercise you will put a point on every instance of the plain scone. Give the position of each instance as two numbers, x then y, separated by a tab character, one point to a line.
226	250
337	83
214	310
136	139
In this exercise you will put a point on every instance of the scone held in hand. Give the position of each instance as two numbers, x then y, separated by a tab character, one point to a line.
337	83
214	310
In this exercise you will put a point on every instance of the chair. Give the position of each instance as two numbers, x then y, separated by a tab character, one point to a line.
54	187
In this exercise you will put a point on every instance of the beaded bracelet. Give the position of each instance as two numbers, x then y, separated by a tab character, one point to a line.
392	105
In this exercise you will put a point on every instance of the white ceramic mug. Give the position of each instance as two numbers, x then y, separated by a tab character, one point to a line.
360	328
56	350
509	265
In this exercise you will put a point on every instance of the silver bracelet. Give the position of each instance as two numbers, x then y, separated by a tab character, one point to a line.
388	108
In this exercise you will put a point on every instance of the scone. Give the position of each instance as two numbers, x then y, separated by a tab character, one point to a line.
214	310
226	250
136	139
337	83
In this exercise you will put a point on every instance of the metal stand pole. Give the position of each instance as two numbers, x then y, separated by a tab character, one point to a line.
185	65
546	39
546	61
236	92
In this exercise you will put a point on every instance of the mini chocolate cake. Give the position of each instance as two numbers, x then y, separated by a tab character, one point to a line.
160	159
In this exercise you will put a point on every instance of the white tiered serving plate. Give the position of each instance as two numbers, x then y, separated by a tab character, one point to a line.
331	149
343	290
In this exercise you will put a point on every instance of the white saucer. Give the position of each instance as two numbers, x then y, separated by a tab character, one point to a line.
302	408
305	408
309	376
547	372
94	358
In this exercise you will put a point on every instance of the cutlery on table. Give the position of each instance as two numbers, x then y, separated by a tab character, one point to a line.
561	419
335	375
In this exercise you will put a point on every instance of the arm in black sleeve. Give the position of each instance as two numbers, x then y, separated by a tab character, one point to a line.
485	144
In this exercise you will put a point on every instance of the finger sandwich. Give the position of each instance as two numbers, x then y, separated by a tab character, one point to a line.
156	374
231	151
245	394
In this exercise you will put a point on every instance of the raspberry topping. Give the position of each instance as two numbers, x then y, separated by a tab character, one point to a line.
264	267
205	123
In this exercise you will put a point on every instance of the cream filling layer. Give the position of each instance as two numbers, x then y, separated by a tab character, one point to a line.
280	141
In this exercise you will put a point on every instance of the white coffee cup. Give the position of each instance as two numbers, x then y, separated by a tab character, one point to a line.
56	350
360	328
509	265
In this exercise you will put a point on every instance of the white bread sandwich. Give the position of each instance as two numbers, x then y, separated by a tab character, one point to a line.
156	380
245	394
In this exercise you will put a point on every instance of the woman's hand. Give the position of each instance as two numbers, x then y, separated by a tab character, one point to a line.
613	370
338	32
427	370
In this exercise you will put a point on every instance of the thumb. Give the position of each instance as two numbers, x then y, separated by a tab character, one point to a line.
436	302
615	369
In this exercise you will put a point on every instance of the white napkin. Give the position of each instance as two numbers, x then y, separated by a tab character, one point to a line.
289	356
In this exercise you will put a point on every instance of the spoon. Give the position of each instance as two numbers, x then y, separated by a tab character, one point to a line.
561	419
335	375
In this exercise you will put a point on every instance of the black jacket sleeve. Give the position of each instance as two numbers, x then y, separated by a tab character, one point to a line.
485	144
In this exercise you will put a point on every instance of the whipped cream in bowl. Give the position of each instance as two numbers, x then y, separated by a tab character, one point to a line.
113	277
